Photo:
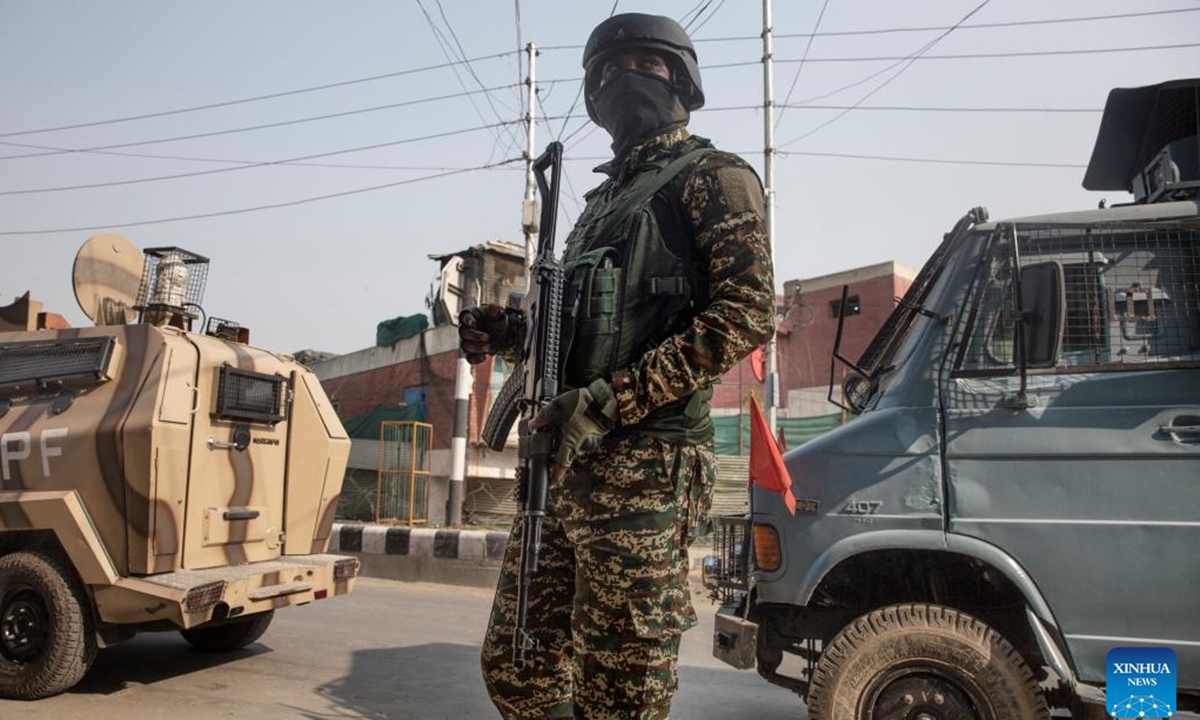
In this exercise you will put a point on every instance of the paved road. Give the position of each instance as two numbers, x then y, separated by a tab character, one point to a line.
389	650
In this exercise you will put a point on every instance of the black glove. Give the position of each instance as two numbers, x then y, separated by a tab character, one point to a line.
489	330
584	416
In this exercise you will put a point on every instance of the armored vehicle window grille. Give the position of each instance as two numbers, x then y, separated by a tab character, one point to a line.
248	395
1175	118
1132	298
731	547
26	366
173	279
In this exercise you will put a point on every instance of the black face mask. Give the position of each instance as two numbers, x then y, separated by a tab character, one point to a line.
634	106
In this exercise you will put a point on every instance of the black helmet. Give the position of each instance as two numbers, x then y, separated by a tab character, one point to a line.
636	30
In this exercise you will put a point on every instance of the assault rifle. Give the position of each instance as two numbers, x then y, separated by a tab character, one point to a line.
533	384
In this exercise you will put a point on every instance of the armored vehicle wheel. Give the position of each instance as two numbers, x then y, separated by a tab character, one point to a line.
47	635
232	635
922	662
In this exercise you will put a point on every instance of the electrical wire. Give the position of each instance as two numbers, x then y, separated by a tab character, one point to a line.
448	52
229	131
256	98
257	208
215	171
935	161
231	161
965	26
887	81
704	6
715	10
976	56
800	67
1003	24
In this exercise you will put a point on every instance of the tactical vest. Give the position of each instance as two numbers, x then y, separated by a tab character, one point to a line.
629	288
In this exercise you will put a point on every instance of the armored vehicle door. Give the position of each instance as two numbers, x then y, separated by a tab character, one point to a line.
235	497
1089	478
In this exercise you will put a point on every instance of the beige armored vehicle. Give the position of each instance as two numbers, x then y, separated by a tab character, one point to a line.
153	476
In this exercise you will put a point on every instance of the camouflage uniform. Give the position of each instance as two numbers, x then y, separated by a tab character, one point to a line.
610	598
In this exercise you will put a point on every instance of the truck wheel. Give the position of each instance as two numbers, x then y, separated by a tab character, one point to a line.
47	635
922	662
231	635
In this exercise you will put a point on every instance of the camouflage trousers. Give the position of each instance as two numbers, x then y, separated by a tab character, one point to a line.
610	597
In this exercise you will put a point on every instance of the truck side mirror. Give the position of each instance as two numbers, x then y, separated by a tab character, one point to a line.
1043	310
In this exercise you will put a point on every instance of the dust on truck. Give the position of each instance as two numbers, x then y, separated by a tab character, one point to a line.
1019	491
153	477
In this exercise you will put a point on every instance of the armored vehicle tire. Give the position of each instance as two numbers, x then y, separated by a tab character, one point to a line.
231	635
922	661
47	635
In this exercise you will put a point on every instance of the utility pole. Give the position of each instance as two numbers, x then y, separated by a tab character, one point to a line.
529	208
772	388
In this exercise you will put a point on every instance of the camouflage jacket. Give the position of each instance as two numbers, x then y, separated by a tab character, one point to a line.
721	204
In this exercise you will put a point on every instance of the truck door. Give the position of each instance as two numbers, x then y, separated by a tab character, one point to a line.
235	496
1093	482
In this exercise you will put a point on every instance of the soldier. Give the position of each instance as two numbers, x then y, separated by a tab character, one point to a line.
670	284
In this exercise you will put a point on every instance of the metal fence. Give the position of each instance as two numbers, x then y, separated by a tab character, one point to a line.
402	489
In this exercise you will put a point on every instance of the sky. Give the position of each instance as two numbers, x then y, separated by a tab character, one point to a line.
322	274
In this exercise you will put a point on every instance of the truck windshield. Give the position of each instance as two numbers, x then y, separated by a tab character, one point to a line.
877	359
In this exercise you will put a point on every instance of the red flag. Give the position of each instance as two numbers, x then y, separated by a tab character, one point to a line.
766	464
758	365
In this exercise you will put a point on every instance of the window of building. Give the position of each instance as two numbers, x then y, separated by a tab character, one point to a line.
853	307
418	396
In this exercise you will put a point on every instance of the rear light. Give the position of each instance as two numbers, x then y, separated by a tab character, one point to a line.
345	569
767	555
204	596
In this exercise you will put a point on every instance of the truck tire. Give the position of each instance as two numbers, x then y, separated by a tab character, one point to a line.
47	634
922	661
231	635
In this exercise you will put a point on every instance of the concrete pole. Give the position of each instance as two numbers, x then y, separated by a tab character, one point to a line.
529	208
772	389
458	440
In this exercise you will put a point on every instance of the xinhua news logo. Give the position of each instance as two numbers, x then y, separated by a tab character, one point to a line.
1141	682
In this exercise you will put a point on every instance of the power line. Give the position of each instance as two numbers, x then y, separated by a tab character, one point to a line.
975	56
232	161
800	67
931	28
256	98
887	158
981	26
712	14
448	52
282	123
215	171
272	206
934	161
910	60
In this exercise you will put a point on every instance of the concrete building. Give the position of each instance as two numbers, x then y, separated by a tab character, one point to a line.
808	312
421	370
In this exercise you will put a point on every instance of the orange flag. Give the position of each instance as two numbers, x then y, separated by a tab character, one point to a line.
766	464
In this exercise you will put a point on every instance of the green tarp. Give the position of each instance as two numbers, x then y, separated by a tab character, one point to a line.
390	332
796	431
366	426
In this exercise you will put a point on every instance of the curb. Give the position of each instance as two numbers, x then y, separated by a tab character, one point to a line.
452	557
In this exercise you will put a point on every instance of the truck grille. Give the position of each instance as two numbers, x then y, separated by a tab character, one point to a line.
731	547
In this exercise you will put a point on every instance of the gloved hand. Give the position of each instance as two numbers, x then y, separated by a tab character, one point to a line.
489	330
584	416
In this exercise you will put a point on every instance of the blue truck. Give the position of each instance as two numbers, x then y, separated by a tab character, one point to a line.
1019	492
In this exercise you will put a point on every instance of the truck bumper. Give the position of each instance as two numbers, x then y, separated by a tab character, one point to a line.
187	598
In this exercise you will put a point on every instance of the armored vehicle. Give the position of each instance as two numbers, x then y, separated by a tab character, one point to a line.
152	476
1019	493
